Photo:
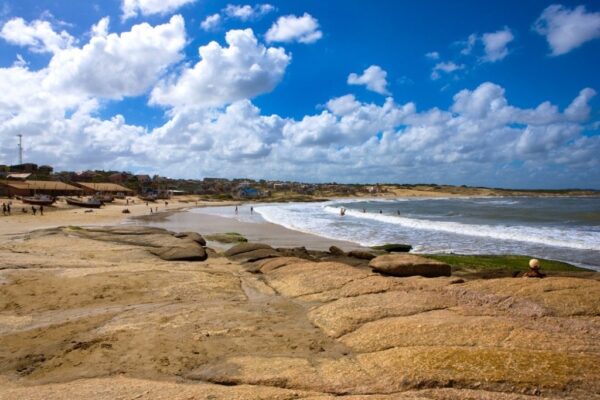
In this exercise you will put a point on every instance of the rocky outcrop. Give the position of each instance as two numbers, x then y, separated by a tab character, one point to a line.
409	265
245	248
229	237
195	236
188	251
362	255
336	251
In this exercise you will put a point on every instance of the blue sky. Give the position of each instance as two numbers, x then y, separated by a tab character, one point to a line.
470	92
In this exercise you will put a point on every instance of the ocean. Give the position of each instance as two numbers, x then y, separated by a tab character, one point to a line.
561	228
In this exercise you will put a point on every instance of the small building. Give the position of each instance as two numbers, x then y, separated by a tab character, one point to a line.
247	192
18	177
29	188
103	187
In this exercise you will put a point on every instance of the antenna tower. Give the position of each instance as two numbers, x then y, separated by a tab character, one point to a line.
20	148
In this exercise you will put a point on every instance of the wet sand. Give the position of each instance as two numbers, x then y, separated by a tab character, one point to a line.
262	232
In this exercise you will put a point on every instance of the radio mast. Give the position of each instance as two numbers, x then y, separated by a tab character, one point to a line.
20	148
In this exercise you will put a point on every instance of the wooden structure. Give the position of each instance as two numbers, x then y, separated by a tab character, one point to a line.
103	187
30	188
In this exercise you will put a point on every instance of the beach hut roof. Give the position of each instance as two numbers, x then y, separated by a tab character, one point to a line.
41	185
103	187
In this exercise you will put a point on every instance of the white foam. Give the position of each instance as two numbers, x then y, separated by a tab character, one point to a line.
545	236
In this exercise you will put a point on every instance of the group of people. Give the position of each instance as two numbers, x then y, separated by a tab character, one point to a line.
251	210
364	210
7	209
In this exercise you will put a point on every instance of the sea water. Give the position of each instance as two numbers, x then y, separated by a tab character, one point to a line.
561	228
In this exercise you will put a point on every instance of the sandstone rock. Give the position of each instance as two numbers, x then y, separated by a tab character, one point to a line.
363	255
246	247
409	265
195	236
190	252
336	251
272	264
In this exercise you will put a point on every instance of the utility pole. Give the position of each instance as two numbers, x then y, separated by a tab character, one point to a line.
20	148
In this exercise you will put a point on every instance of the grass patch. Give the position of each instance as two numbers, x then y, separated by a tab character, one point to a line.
500	265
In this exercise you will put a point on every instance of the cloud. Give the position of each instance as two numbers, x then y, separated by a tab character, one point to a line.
242	70
446	67
246	12
212	127
113	66
211	22
495	44
374	78
433	55
289	28
38	36
567	29
133	8
469	44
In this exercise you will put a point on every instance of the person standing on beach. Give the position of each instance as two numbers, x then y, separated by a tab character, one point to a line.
236	209
8	208
41	210
251	210
3	208
33	210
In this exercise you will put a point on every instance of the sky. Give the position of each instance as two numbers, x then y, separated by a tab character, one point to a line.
494	93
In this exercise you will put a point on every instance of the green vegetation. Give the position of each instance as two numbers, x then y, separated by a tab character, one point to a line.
500	265
227	237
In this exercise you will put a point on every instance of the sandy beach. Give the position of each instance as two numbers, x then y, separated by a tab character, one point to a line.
95	309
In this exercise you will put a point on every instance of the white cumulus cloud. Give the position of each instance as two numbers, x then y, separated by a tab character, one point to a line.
446	67
211	22
114	66
374	78
133	8
495	44
38	36
567	29
290	28
223	75
247	12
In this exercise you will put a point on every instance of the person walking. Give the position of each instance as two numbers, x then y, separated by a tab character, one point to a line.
8	208
41	210
33	210
3	208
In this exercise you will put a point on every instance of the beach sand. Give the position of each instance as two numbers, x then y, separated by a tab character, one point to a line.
91	313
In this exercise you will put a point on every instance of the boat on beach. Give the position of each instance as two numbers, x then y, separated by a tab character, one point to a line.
39	200
104	198
90	203
150	197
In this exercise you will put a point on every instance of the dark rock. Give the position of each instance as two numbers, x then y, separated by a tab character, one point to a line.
255	255
363	255
246	247
394	248
409	265
299	252
126	211
336	251
455	281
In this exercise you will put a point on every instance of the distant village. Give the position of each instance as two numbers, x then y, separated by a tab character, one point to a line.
28	179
